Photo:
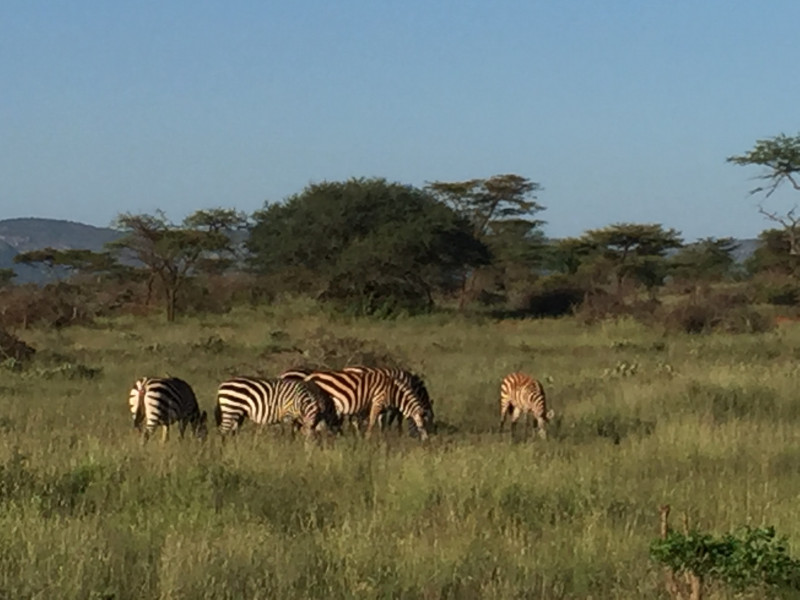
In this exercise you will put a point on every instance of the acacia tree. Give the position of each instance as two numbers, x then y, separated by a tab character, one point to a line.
70	261
171	253
773	255
707	259
501	212
780	158
633	250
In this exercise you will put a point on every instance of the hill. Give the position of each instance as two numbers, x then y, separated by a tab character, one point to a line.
23	235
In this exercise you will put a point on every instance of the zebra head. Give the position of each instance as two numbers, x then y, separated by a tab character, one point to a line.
541	424
422	422
200	425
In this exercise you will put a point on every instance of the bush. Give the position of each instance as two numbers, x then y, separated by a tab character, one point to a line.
731	313
599	306
554	296
750	558
777	291
328	351
384	298
14	349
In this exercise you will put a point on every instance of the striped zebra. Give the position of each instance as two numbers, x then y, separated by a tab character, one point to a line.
160	402
268	401
403	378
522	394
367	393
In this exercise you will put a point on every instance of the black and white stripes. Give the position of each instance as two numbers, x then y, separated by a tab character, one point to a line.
266	401
365	393
310	400
160	402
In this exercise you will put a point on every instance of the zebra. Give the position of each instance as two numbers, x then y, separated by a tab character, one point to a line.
366	393
522	394
403	378
161	401
266	401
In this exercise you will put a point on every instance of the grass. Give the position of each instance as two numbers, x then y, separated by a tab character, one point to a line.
707	424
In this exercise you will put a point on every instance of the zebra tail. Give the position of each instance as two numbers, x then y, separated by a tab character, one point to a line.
218	414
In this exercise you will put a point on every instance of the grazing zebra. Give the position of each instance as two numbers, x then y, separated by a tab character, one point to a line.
266	401
366	393
522	394
161	402
403	378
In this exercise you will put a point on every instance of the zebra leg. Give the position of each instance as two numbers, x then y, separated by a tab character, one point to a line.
503	414
515	415
164	433
182	427
374	413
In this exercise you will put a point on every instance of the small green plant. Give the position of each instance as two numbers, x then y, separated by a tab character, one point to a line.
750	559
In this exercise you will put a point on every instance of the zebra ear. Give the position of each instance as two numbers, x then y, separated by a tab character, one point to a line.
550	414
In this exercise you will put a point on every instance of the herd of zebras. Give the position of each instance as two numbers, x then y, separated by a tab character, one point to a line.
314	400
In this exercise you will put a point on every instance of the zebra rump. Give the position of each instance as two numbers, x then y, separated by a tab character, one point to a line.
160	402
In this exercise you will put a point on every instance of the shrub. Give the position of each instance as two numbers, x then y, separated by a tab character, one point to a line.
750	558
554	296
384	298
731	313
14	349
326	350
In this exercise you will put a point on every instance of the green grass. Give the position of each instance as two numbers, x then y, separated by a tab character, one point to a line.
709	425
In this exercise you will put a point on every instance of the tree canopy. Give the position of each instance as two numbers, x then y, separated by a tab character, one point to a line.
708	259
361	238
632	250
501	211
779	155
171	253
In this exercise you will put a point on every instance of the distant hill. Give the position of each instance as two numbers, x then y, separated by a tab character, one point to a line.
32	234
745	250
22	235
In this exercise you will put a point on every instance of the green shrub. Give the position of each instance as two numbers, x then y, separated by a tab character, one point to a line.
749	558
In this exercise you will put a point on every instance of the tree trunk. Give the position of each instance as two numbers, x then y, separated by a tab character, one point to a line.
171	296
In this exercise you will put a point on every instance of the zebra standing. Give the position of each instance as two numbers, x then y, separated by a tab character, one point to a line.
402	378
522	394
266	401
161	402
366	393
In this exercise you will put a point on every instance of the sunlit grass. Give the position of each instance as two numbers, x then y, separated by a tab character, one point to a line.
707	424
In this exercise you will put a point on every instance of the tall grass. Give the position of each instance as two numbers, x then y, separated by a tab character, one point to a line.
707	424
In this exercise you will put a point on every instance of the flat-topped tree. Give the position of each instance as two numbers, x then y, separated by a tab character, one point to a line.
172	253
707	259
633	250
780	158
72	261
501	211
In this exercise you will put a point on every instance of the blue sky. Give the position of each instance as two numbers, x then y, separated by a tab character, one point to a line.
623	110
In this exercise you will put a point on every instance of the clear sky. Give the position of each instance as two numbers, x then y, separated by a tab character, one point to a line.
624	110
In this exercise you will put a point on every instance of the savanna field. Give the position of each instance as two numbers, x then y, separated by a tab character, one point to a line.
709	424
